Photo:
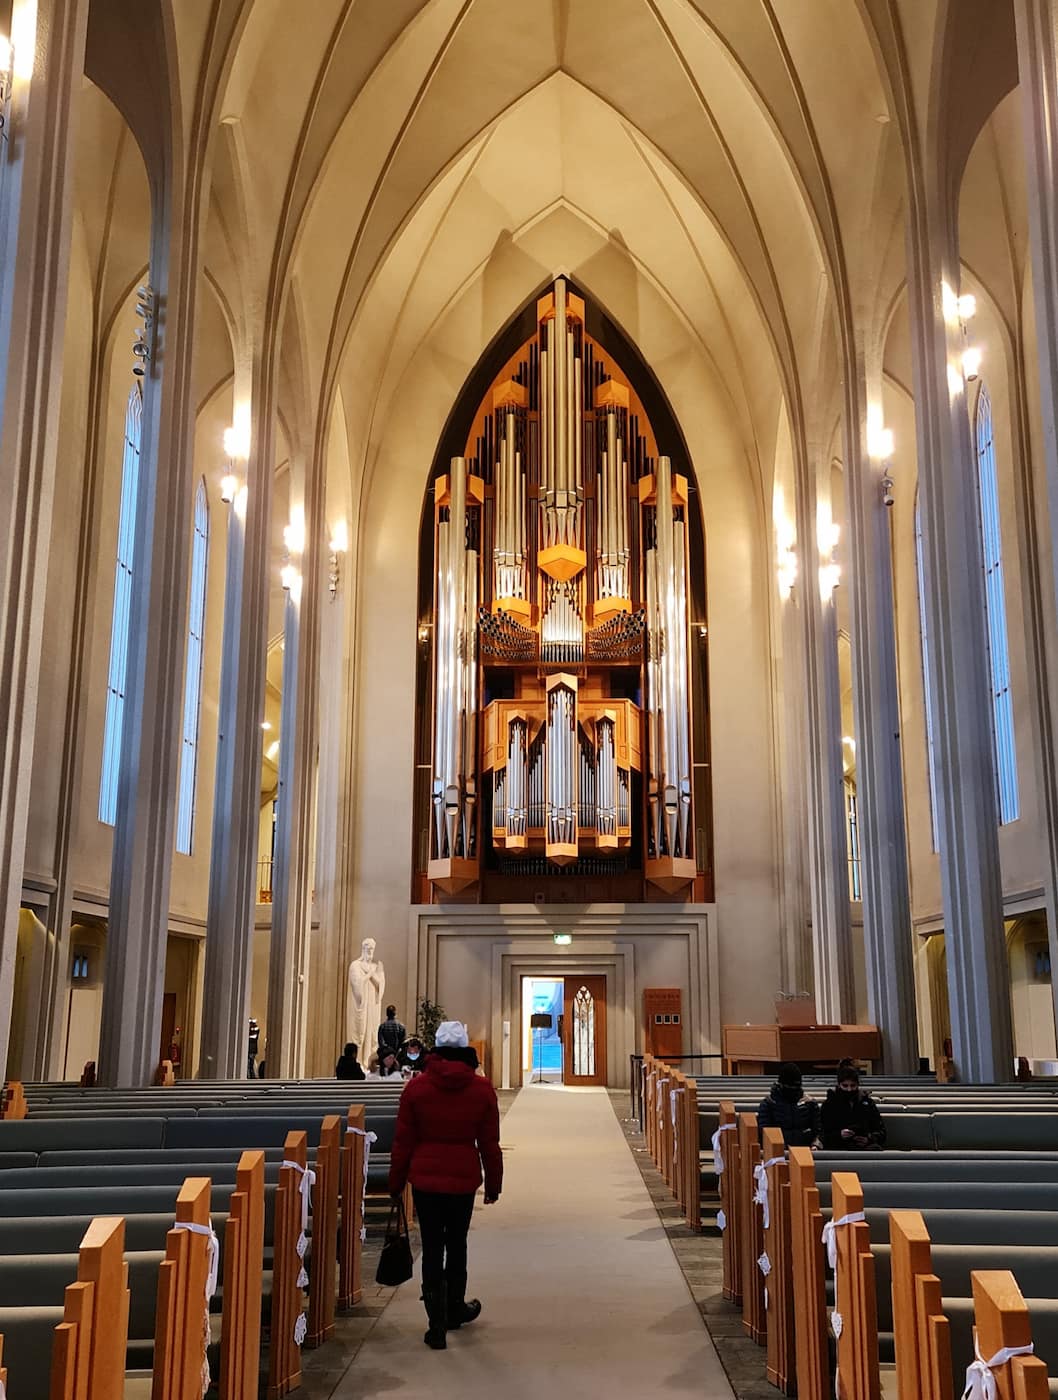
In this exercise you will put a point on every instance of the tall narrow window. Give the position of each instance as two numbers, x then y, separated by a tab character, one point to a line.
119	626
1006	764
852	839
927	685
185	810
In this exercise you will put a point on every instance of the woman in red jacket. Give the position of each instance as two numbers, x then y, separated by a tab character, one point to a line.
448	1127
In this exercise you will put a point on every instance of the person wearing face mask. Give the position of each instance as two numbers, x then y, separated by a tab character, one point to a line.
788	1107
851	1120
412	1057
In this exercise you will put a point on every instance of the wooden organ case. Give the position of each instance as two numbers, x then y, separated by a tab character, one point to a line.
561	737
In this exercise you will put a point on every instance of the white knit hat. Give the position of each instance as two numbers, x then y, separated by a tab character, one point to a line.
451	1033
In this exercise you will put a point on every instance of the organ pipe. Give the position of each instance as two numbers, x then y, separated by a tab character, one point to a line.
565	640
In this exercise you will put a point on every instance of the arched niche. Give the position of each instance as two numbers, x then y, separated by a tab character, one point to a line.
616	381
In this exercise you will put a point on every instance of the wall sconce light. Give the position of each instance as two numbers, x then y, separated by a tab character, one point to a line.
958	310
971	363
236	449
829	570
144	342
338	545
786	567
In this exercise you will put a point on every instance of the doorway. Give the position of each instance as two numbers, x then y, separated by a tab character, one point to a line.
542	1006
563	1027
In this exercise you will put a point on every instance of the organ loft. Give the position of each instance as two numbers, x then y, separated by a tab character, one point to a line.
562	747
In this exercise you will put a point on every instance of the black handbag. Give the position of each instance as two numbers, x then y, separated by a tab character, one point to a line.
394	1263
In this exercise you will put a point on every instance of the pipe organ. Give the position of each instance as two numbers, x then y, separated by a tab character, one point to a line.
561	713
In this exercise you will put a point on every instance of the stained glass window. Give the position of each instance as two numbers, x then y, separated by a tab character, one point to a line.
583	1034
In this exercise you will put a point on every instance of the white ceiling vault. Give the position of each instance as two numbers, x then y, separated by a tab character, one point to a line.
383	161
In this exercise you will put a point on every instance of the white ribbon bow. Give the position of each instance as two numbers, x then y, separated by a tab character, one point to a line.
721	1225
673	1094
764	1264
659	1099
308	1181
369	1138
760	1176
718	1156
213	1256
830	1230
980	1382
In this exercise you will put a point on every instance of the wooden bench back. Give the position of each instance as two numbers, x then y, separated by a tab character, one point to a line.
88	1357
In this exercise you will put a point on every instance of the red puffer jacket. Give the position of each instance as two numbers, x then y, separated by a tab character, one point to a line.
448	1125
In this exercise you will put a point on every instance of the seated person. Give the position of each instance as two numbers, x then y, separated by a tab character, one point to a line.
788	1107
851	1120
348	1066
412	1056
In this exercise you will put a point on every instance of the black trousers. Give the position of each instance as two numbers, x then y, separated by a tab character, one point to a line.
444	1221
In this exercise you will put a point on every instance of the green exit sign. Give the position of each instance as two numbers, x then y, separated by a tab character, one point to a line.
563	939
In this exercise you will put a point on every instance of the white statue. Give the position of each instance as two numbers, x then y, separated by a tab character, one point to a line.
367	987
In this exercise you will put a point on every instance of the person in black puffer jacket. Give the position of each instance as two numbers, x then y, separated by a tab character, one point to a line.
788	1107
851	1120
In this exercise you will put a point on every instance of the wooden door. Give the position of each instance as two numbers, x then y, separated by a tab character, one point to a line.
584	1030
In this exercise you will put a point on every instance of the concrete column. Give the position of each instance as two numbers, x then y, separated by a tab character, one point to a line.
288	967
144	832
237	793
36	199
978	975
1037	30
879	769
828	859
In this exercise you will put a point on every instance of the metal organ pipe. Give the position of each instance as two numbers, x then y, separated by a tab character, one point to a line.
455	717
561	767
667	618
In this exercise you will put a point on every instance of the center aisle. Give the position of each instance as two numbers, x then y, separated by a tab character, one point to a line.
581	1292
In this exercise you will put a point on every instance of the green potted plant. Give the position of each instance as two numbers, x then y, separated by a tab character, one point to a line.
428	1017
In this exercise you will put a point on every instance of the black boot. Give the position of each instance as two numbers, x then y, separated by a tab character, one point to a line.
437	1312
462	1312
459	1310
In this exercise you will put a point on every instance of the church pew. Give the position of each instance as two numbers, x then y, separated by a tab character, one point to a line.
287	1330
322	1285
728	1146
776	1261
750	1238
79	1341
13	1101
355	1166
809	1202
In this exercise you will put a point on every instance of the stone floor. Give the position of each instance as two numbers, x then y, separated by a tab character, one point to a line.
700	1256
